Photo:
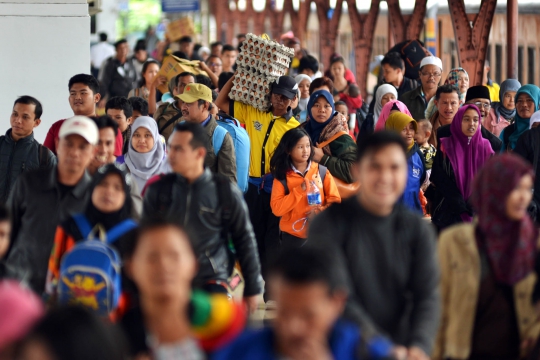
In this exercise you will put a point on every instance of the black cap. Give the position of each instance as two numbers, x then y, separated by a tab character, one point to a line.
477	92
285	85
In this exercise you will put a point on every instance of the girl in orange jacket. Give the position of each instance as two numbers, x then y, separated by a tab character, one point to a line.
294	172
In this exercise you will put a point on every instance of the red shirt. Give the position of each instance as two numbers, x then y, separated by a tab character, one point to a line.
52	136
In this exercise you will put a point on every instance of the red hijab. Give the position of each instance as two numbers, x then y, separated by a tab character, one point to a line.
509	245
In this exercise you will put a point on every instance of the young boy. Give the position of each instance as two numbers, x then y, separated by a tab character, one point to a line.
5	234
120	110
140	107
429	151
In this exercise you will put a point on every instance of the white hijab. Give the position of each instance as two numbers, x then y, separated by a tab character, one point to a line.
381	91
302	103
534	118
144	166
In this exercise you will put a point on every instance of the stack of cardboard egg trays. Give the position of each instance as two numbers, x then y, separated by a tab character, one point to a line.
259	64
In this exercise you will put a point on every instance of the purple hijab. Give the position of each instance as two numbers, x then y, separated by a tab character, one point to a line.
466	157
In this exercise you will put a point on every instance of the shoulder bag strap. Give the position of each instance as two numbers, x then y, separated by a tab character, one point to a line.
171	121
338	134
120	229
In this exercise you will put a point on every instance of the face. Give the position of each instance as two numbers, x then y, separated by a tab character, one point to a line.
194	112
525	106
448	105
463	82
470	122
301	151
280	103
338	70
229	58
383	175
135	116
304	88
519	199
23	120
109	195
187	47
142	140
321	110
390	74
294	103
183	158
304	312
215	64
183	82
387	98
82	100
74	154
163	264
407	134
120	118
483	104
421	136
5	232
508	100
122	51
105	148
151	72
216	50
430	76
36	350
343	110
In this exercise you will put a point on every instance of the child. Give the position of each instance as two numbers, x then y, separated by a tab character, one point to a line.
352	98
422	136
5	232
343	109
294	172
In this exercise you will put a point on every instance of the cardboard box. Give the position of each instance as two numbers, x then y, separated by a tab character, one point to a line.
179	28
173	66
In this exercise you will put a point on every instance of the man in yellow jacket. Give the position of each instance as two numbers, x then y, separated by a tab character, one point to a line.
493	87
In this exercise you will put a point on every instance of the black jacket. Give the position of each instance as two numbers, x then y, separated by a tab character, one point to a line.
113	81
196	207
18	157
37	208
527	145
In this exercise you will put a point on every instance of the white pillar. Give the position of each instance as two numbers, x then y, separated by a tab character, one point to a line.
43	44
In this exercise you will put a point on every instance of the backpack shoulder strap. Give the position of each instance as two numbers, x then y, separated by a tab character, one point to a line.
285	186
120	229
322	172
83	224
225	202
170	121
218	138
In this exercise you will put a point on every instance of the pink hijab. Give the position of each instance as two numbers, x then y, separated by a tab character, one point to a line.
385	113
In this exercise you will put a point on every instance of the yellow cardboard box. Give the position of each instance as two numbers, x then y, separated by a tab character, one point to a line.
179	28
173	66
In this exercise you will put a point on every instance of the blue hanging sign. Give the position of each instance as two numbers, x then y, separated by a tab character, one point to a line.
176	6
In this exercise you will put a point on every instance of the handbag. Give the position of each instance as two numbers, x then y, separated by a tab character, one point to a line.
533	208
345	190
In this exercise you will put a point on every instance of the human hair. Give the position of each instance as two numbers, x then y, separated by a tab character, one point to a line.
308	62
309	265
339	103
196	48
139	104
377	141
211	57
446	89
119	42
216	43
226	48
394	60
120	103
280	162
73	332
183	74
319	82
425	125
145	66
104	122
29	100
205	80
85	79
185	39
199	139
103	37
180	54
224	77
238	36
337	59
5	214
141	45
354	91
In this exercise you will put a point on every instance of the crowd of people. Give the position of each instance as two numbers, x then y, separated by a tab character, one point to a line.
406	228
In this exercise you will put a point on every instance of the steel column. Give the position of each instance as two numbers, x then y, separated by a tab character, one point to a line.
512	38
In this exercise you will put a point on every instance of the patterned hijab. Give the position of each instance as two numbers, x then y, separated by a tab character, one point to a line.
453	79
509	245
523	124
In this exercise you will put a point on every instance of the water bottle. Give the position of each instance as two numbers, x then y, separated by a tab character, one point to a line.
313	195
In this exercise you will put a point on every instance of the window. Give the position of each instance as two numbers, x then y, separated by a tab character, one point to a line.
498	63
93	24
520	64
531	63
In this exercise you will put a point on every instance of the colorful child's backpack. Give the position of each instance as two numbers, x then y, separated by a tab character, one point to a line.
90	274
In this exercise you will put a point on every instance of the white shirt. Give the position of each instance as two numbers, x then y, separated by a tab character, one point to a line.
100	52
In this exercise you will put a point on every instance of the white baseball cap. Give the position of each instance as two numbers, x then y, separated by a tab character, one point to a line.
82	126
431	60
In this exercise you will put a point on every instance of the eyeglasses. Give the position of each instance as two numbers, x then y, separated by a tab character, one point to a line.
214	64
482	105
431	75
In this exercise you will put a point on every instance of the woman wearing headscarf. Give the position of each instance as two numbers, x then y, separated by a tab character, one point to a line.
527	100
303	82
461	156
328	129
385	93
502	113
406	127
146	155
487	270
458	78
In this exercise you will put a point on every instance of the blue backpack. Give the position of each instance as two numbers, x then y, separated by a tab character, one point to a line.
90	274
242	147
